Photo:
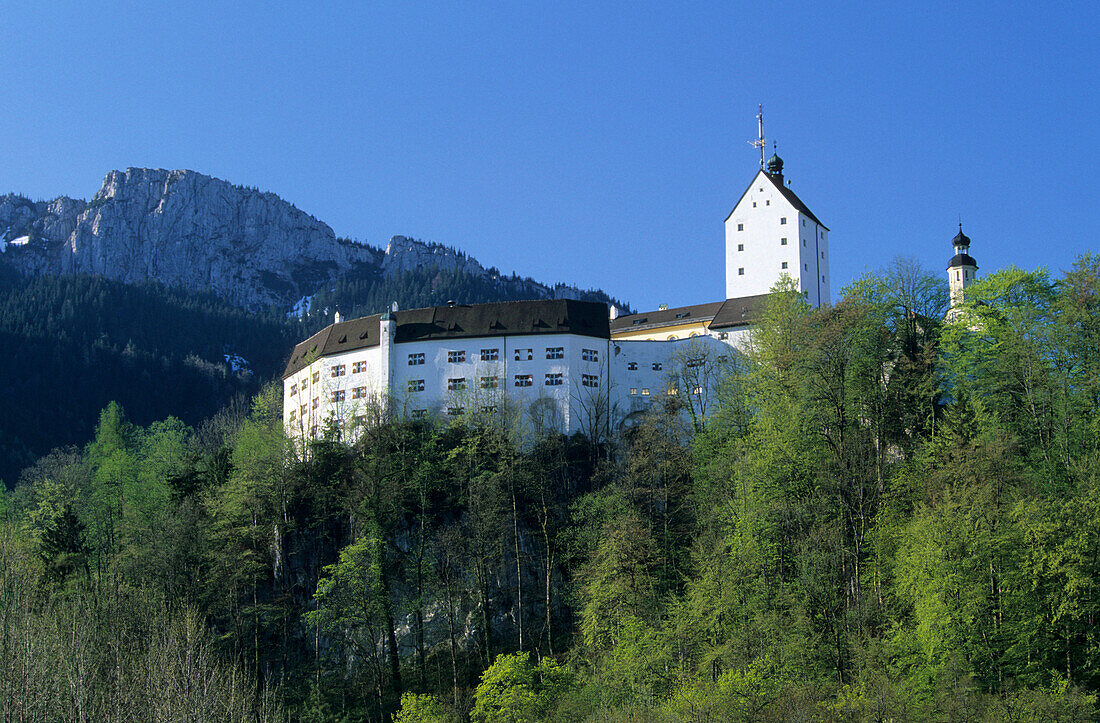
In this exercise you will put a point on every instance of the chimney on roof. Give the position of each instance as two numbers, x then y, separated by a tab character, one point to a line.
336	318
662	307
451	303
613	312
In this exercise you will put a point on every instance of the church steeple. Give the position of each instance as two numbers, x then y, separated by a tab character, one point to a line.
962	269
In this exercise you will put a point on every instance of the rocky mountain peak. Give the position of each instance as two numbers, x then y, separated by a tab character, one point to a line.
184	228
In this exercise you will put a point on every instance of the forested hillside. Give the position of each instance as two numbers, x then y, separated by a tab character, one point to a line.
72	344
75	343
888	518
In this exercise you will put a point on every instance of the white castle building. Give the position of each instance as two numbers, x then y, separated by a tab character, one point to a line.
552	362
567	365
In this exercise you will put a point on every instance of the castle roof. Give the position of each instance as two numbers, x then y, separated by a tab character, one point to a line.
721	315
460	321
678	316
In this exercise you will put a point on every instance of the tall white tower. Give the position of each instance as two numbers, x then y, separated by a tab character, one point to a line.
771	232
962	269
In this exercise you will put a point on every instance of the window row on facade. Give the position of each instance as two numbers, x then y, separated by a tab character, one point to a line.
458	384
458	356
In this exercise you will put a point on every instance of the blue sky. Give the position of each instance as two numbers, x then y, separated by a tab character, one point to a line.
600	144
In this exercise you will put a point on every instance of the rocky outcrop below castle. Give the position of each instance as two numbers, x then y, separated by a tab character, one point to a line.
186	229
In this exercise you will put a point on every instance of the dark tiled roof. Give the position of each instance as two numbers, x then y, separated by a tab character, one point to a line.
788	194
360	333
739	312
726	314
962	260
513	318
666	317
551	316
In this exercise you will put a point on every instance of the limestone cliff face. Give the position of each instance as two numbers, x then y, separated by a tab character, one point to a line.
183	228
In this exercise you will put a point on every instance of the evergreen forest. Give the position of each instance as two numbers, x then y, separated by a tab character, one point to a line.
887	517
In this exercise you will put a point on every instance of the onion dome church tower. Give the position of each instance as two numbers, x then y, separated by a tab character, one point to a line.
962	269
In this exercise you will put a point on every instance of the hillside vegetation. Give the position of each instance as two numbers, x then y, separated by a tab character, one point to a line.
886	519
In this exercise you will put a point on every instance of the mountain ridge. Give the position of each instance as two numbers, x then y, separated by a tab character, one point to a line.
187	229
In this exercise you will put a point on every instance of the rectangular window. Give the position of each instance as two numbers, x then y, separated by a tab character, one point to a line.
754	204
741	271
419	413
723	335
316	402
822	254
455	411
316	376
554	380
491	409
697	391
783	241
292	416
634	391
803	242
416	359
783	221
338	395
645	391
590	355
293	389
741	226
358	367
490	354
803	222
456	357
823	278
416	385
456	385
740	247
303	410
672	391
489	382
695	362
525	354
359	393
555	352
524	380
805	267
632	366
590	380
338	370
768	202
783	265
656	366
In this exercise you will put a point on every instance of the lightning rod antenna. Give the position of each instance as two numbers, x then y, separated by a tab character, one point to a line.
759	142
